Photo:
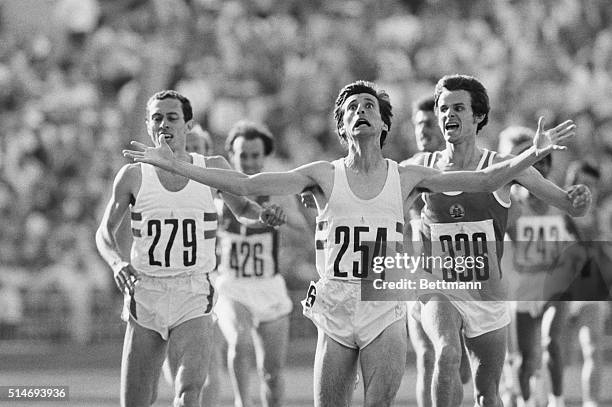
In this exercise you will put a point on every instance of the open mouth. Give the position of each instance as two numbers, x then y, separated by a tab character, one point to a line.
451	126
361	122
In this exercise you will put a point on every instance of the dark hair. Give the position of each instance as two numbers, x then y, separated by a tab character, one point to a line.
357	87
425	104
477	91
250	131
172	94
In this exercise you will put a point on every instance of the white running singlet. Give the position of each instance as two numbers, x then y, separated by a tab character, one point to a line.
351	231
174	232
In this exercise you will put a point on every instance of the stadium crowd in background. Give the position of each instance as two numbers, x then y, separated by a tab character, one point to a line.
277	62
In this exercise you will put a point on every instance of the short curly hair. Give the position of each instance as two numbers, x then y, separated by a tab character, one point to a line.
357	87
172	94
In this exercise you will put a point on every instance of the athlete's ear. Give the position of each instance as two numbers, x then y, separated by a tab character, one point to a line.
479	118
189	125
385	127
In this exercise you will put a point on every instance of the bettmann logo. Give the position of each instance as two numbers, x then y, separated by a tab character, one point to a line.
456	211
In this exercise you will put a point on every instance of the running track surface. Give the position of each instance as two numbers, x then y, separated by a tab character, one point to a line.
92	374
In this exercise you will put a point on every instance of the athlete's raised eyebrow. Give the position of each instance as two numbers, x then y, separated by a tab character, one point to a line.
370	99
457	104
366	98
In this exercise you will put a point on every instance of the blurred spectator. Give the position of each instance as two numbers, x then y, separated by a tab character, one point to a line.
199	141
78	16
11	311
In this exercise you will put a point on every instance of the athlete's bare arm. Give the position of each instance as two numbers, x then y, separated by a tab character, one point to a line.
125	188
265	183
492	177
575	201
246	210
485	180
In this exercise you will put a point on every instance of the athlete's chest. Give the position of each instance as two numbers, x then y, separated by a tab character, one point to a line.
462	207
161	191
171	182
366	186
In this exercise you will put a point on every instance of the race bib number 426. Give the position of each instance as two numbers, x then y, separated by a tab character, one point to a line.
248	256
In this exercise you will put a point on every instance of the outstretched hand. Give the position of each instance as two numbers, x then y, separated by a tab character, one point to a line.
160	156
547	140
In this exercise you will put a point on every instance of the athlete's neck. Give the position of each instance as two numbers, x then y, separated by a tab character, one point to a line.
461	156
168	175
364	157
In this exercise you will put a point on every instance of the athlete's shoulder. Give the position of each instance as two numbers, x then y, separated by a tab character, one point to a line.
129	174
320	171
319	165
130	170
127	181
